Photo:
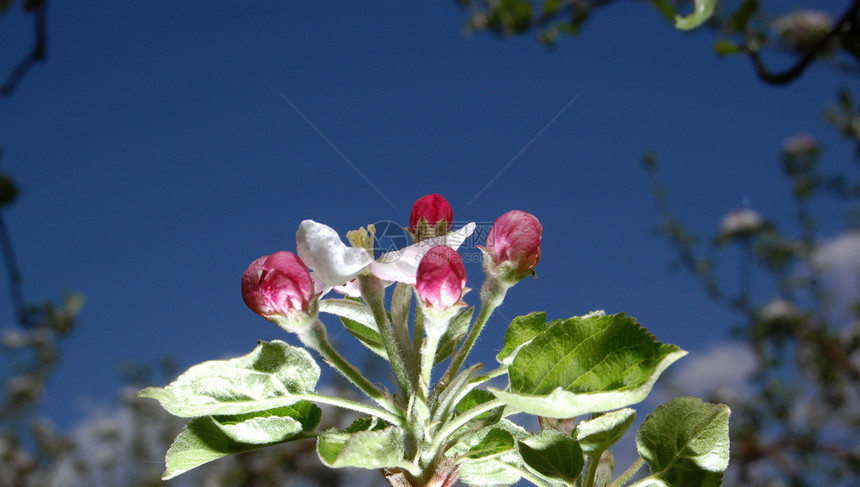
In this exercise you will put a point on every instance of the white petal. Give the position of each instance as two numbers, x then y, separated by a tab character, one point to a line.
320	288
321	248
351	289
402	265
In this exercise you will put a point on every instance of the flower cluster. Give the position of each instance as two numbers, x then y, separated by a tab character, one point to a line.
427	430
284	287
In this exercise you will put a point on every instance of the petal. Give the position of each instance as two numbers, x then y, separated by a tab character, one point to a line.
402	265
351	289
320	288
333	262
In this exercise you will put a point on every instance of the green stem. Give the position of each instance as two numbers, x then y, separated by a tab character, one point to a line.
374	294
491	374
492	294
628	473
401	300
315	338
591	471
354	406
434	325
417	346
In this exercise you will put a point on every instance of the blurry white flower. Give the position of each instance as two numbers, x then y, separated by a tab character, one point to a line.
779	309
800	145
740	223
23	387
14	339
801	29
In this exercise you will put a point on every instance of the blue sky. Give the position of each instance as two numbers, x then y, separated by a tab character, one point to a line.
165	145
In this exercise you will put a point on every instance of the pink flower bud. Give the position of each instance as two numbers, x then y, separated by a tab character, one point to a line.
515	238
433	208
441	277
278	286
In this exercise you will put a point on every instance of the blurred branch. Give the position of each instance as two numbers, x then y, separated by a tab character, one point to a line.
14	274
849	22
798	422
39	10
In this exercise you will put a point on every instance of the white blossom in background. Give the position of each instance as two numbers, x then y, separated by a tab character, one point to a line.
800	144
801	29
742	222
779	309
14	339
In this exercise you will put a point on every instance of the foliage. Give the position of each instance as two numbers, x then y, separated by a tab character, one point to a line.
799	423
743	27
430	434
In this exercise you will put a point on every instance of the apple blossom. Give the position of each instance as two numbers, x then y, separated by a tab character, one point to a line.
441	277
279	288
426	433
514	242
334	264
431	216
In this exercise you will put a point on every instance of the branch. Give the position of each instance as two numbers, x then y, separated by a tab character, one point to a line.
792	73
37	54
14	276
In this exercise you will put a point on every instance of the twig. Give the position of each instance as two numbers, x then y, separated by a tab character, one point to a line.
792	73
38	52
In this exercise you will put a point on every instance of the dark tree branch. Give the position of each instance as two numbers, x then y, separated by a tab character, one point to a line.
14	276
38	53
849	18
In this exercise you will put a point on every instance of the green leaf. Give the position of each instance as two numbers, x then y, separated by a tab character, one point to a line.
368	337
522	331
367	443
358	320
272	426
686	442
701	13
491	472
498	469
497	441
458	327
551	7
454	392
553	455
475	398
740	18
203	440
365	424
269	377
724	47
584	365
666	9
597	435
